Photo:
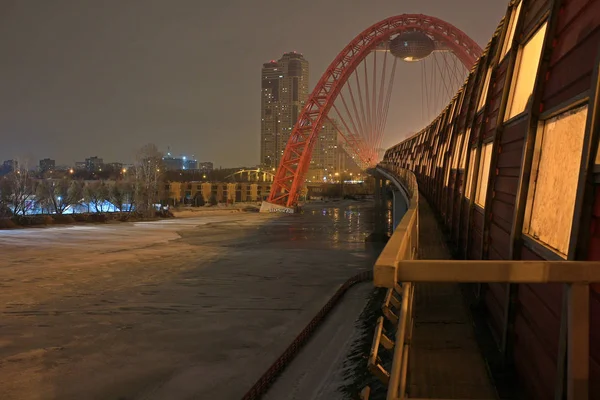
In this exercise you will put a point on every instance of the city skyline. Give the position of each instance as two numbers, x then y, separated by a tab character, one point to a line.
175	76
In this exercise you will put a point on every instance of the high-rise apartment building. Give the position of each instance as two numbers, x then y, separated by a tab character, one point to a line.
330	155
284	92
325	151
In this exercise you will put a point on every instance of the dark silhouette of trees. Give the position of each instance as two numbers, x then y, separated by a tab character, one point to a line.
96	195
148	174
53	195
122	195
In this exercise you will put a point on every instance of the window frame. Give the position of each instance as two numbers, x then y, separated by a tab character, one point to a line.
470	172
482	174
516	73
485	89
511	30
534	171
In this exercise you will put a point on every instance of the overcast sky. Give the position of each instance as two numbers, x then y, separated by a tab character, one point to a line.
103	77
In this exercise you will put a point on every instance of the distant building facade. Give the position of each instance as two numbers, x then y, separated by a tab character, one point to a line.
47	164
182	163
115	166
329	156
9	166
325	152
205	166
221	192
284	92
190	164
171	163
94	164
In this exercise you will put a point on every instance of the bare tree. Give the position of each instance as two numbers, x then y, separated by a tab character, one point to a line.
5	197
121	195
148	177
75	192
20	189
96	194
53	195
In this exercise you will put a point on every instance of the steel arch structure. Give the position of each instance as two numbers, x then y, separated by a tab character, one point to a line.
254	175
296	158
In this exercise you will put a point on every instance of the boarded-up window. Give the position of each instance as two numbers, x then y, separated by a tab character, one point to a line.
484	90
510	32
470	173
526	72
484	174
555	173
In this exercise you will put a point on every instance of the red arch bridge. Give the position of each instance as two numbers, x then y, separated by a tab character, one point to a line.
508	174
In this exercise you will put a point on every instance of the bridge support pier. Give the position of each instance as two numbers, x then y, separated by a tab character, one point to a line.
267	207
399	207
400	203
378	185
379	214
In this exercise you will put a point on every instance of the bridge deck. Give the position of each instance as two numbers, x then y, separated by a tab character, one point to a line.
445	360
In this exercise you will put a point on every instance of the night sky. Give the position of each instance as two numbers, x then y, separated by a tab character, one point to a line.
88	77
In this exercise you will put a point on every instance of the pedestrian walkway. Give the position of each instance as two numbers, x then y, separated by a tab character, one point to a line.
445	360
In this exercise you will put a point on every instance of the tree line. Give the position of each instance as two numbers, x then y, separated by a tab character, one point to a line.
139	190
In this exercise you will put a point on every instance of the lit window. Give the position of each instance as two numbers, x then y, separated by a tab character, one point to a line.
440	156
484	91
457	149
510	32
555	173
484	174
470	174
526	73
463	157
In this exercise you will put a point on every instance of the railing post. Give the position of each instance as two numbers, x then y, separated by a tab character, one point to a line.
561	359
578	347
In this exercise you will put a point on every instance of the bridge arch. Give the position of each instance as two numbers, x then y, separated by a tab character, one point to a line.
251	175
296	158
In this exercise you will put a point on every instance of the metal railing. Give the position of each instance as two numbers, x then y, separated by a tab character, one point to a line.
398	305
397	269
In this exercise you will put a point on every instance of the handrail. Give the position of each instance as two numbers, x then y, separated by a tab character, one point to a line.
402	245
397	266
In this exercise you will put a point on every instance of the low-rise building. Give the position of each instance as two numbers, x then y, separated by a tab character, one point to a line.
221	192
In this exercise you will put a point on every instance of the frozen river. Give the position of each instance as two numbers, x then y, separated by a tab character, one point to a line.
193	308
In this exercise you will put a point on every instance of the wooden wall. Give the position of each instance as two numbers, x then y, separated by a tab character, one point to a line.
524	319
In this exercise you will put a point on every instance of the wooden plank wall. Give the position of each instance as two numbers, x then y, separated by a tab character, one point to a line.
566	76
